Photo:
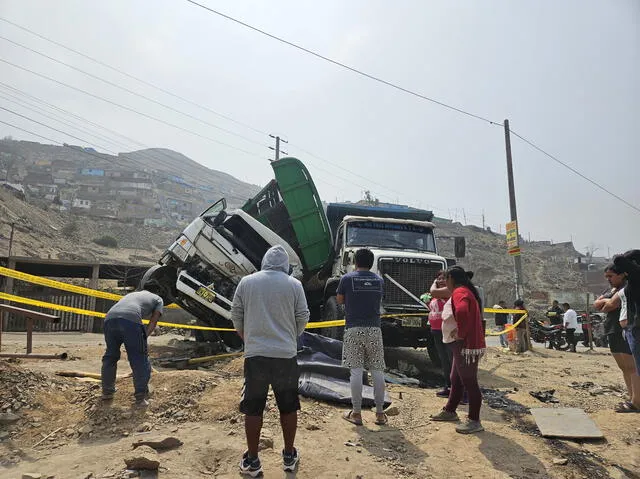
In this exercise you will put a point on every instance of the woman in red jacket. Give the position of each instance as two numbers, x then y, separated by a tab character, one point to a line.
462	327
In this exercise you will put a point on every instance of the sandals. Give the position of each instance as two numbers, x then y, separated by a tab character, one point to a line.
348	416
624	407
381	419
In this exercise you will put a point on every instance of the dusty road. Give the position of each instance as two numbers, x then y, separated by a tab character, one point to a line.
200	408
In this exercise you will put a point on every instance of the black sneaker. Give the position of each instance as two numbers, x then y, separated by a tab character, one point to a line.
290	461
250	467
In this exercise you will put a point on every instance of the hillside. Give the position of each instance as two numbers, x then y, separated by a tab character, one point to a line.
549	270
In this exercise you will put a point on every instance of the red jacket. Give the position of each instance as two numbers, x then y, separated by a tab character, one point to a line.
469	320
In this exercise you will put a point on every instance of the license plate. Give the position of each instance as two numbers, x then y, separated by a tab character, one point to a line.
205	294
412	322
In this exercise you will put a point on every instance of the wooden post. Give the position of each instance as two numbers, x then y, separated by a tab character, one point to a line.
29	335
589	325
93	284
8	288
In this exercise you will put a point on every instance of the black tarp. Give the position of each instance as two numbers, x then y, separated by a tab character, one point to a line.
322	376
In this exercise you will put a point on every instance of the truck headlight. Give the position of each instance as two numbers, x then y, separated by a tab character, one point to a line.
179	251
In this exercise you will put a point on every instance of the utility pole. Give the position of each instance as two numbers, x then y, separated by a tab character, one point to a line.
277	147
483	226
517	260
13	225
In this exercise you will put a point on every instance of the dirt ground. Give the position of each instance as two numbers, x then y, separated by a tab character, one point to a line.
64	431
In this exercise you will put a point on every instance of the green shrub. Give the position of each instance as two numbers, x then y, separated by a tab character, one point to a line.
107	241
70	228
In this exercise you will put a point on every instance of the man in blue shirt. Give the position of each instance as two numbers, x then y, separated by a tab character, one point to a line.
361	293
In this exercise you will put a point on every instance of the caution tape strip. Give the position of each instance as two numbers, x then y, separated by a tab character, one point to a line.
71	288
97	314
11	273
513	326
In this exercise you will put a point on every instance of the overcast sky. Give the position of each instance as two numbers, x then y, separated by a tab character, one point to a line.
565	73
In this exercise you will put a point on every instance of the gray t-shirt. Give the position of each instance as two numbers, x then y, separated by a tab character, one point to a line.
136	306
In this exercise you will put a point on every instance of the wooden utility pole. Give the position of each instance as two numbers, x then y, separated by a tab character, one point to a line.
517	260
277	147
13	225
589	325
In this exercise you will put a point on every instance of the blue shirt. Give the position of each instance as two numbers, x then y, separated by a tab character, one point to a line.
362	292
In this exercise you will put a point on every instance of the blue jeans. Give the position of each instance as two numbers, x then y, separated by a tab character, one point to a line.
503	337
633	338
118	331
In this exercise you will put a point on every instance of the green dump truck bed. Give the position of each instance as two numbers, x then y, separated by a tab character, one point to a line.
291	207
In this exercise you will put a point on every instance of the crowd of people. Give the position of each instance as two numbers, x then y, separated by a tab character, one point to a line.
270	313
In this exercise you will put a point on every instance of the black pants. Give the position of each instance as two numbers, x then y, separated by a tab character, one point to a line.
571	339
446	356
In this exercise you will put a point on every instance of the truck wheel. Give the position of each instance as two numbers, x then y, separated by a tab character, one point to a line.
333	311
432	351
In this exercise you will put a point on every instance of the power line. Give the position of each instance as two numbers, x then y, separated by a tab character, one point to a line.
59	131
115	85
53	141
133	77
342	65
126	107
169	163
177	96
573	170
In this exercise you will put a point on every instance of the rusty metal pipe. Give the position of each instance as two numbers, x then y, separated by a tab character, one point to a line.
34	356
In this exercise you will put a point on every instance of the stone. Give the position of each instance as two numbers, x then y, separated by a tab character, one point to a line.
144	427
265	443
313	427
392	411
4	435
8	418
142	458
560	461
160	445
86	429
31	475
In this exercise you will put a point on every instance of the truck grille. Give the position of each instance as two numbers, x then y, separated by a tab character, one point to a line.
416	277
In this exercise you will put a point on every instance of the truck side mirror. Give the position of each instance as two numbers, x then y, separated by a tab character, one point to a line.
460	246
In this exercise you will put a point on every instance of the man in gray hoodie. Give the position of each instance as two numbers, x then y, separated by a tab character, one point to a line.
269	313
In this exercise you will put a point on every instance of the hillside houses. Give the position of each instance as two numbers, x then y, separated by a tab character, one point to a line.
131	187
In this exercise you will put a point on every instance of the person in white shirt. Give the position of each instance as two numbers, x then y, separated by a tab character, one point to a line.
570	319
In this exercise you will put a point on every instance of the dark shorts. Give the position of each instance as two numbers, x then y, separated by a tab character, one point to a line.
259	373
618	343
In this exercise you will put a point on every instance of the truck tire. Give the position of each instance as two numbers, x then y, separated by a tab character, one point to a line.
432	351
333	311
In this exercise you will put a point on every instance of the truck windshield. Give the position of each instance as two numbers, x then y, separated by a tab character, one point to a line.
215	208
390	235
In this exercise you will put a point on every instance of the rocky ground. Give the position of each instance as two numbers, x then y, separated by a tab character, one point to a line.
54	426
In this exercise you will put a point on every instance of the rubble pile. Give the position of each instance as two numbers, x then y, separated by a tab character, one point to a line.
182	405
19	388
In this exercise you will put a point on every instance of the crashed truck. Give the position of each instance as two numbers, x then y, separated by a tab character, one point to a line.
202	268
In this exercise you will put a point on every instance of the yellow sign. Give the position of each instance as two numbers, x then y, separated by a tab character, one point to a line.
512	235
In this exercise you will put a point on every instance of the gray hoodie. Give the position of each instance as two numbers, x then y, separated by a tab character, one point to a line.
269	308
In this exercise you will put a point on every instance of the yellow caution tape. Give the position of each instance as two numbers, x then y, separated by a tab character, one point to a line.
30	278
505	311
97	314
513	326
